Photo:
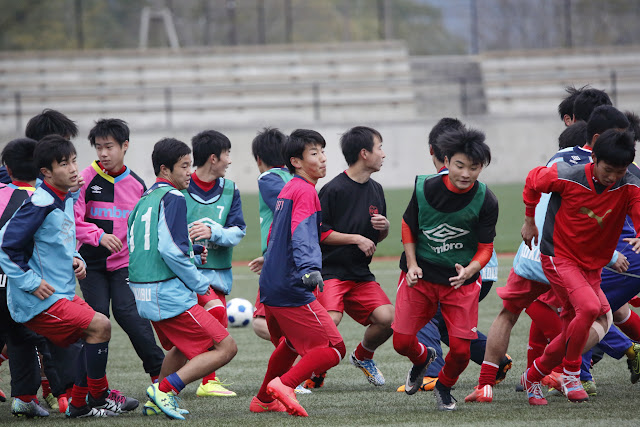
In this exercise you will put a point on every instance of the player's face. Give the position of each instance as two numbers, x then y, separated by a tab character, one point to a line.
608	174
375	157
110	153
63	175
313	164
180	176
221	163
463	172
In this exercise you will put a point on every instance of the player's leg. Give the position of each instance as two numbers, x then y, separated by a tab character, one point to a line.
415	306
459	309
368	305
259	322
139	330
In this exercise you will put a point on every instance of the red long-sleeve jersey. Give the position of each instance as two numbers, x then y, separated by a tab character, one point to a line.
584	218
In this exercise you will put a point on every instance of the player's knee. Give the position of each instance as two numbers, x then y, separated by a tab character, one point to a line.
260	328
403	343
589	311
341	348
228	347
383	316
100	327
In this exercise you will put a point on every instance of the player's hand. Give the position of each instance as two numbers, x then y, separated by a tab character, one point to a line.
79	269
199	231
111	242
622	264
203	255
463	276
529	232
208	291
413	274
256	265
367	246
379	222
44	291
79	184
313	280
634	242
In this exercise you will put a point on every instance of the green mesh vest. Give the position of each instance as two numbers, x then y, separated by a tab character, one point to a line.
266	215
219	257
145	262
447	238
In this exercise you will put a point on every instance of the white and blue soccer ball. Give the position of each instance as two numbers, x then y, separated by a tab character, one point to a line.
239	312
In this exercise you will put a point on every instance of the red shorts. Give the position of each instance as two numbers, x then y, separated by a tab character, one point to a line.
417	305
64	322
213	294
357	299
573	285
519	292
259	311
550	299
193	332
305	327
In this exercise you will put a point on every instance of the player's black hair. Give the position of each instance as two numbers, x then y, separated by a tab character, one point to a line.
52	148
105	128
566	106
634	124
17	155
168	151
616	147
603	118
268	146
445	124
50	122
207	143
573	135
469	142
587	100
297	142
355	139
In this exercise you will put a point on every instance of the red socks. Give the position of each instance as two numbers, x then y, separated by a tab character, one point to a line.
219	312
488	372
79	396
362	353
98	386
280	362
316	360
408	345
631	326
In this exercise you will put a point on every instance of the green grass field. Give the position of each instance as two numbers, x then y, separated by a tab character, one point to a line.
508	230
348	399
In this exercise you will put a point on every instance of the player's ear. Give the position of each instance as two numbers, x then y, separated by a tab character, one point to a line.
296	162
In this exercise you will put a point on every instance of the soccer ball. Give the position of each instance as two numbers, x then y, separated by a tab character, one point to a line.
239	312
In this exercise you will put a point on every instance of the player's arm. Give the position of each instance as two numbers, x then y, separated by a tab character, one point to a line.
228	235
173	242
539	180
486	232
16	246
304	234
633	211
410	230
380	222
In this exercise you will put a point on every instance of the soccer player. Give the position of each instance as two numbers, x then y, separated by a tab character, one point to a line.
589	203
435	331
41	290
17	157
565	108
298	323
354	222
165	282
214	215
110	193
447	232
48	122
267	152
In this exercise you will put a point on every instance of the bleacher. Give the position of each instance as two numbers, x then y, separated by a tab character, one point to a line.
220	85
533	82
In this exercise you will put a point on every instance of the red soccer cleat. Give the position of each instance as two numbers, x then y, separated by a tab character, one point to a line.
534	391
257	405
287	396
572	388
481	394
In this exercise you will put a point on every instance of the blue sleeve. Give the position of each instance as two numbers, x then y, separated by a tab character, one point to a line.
173	243
234	229
17	245
269	186
306	247
4	176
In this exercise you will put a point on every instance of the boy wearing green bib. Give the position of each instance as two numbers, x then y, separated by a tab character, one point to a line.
447	233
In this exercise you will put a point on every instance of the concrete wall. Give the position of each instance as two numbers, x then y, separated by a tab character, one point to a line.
517	143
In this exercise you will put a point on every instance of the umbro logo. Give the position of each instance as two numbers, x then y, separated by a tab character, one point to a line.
574	160
96	189
444	232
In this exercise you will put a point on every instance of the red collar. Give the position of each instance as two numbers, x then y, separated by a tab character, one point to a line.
21	184
452	188
60	194
166	181
111	173
206	186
